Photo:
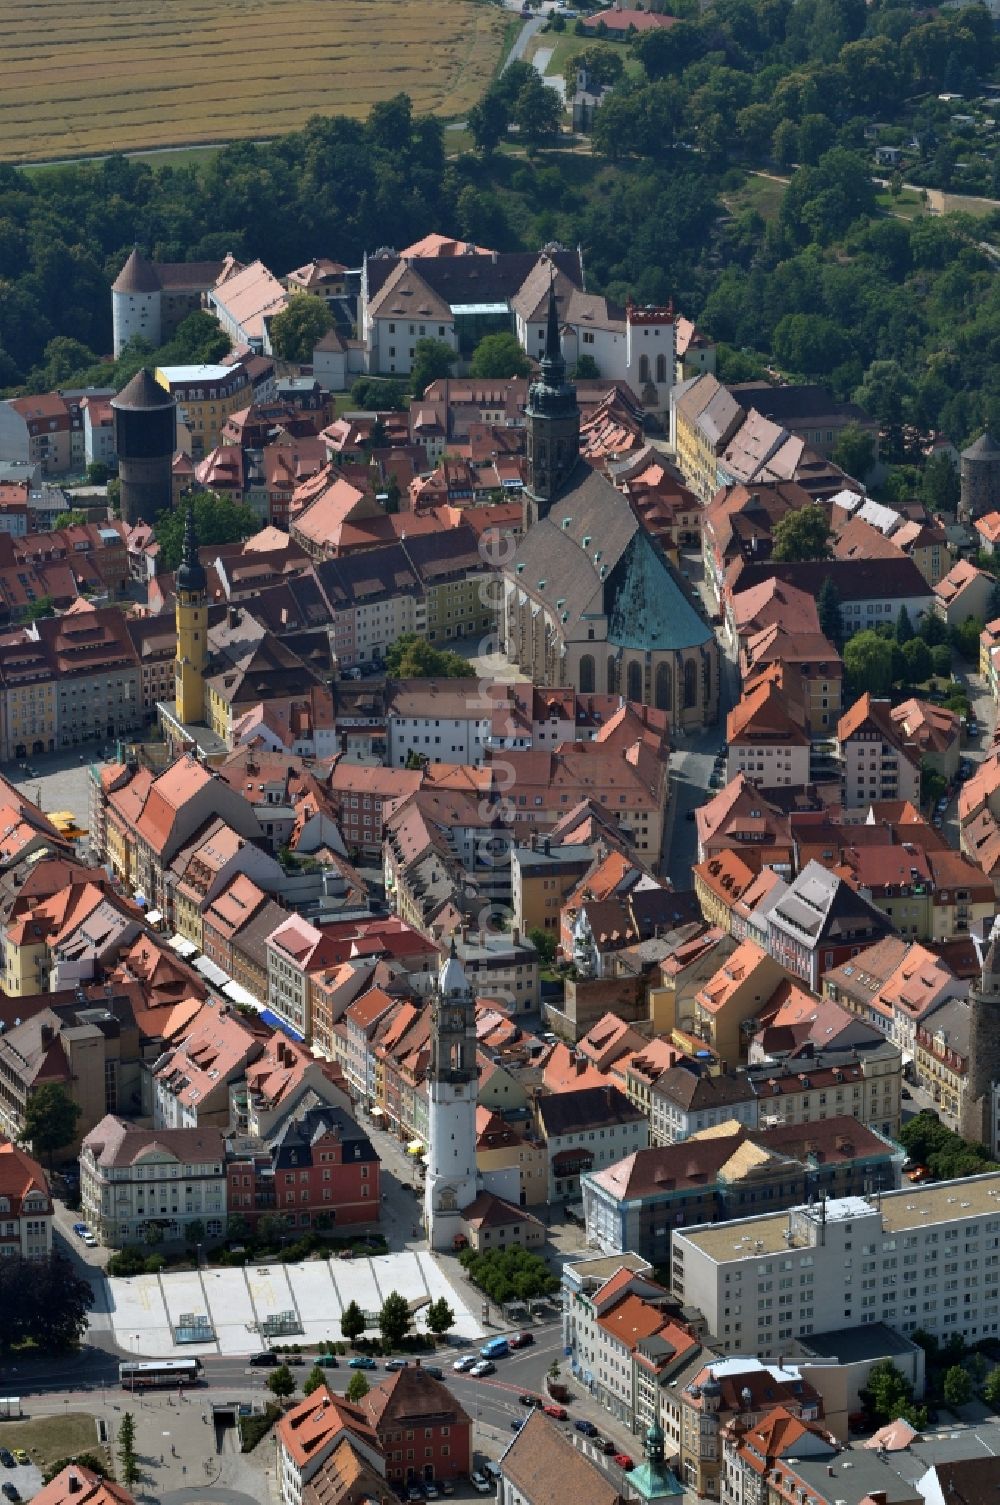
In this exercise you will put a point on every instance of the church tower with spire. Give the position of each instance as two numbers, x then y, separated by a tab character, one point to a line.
192	631
452	1088
984	1045
553	439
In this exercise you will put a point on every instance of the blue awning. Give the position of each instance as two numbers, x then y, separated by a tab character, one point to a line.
276	1022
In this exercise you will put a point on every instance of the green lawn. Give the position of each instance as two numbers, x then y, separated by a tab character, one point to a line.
762	194
48	1438
566	44
908	205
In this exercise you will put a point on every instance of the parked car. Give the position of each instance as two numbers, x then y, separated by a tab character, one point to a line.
558	1413
481	1483
465	1363
264	1360
431	1489
606	1445
516	1423
414	1493
89	1239
481	1368
363	1361
447	1488
624	1461
906	1094
328	1361
9	1491
586	1427
21	1456
435	1371
80	1229
7	1458
393	1364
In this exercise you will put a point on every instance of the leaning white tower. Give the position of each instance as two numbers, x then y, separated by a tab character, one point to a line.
452	1089
135	303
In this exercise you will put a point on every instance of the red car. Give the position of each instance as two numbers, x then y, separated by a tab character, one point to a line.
624	1461
558	1412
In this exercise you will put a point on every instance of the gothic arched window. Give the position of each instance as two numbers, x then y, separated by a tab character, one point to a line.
690	684
664	688
588	678
634	681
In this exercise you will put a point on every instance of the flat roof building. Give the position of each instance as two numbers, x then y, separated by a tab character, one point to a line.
926	1257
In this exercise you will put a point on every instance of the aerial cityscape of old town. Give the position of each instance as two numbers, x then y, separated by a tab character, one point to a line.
499	752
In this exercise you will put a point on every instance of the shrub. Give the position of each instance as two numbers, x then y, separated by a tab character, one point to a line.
253	1428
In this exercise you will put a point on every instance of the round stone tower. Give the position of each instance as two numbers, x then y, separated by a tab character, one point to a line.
145	439
980	471
135	303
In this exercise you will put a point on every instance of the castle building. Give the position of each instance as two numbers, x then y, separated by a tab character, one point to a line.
589	600
192	631
150	299
145	428
452	1087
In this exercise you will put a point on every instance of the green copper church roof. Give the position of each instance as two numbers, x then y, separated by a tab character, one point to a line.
647	609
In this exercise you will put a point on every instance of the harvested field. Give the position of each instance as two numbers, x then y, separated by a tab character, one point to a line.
82	79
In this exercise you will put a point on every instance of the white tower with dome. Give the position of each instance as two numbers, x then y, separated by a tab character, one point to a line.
453	1087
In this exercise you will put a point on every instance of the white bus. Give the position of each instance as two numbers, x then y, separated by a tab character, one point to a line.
160	1372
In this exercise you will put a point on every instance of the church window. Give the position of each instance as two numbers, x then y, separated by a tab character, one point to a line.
644	368
634	682
661	368
587	675
664	688
612	676
690	684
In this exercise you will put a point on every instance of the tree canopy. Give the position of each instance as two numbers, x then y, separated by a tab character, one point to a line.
803	534
299	327
50	1120
217	519
394	1319
432	360
42	1301
412	657
500	356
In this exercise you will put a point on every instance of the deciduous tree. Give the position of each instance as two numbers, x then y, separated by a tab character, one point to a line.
394	1319
298	328
803	534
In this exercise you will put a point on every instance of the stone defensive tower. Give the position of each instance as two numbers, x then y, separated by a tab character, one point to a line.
145	439
980	472
984	1045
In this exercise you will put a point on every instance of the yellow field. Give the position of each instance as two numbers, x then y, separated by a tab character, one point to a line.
84	78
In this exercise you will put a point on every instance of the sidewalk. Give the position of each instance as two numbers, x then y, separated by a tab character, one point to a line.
176	1446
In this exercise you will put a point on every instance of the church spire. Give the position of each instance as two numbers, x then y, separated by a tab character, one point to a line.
553	422
553	365
191	575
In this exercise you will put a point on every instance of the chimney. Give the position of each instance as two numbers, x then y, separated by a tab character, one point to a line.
546	845
73	1484
233	616
48	1034
515	935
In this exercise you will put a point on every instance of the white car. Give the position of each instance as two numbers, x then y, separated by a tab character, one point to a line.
89	1239
465	1363
484	1367
481	1483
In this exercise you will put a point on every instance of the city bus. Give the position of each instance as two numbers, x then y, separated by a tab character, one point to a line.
159	1372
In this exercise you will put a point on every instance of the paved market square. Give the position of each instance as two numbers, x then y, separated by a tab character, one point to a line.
143	1310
